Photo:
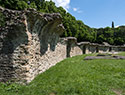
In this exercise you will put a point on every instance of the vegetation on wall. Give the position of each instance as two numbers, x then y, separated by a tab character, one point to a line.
75	28
2	19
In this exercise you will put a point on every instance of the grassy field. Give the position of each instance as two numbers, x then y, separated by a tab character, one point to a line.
74	76
122	54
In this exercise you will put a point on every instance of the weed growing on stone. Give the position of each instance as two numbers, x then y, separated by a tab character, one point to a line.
2	20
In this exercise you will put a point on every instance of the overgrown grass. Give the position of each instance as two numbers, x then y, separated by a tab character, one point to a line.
74	76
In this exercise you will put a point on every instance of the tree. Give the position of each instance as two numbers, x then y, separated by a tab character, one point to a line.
73	27
112	24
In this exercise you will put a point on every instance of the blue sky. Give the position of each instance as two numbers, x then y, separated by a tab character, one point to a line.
96	13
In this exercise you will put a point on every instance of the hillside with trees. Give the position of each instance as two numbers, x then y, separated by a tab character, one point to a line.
73	27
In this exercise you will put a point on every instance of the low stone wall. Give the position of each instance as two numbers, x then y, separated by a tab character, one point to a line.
121	48
89	48
30	44
72	48
103	49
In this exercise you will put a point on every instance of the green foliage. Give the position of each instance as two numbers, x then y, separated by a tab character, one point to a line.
10	86
21	5
114	36
75	28
32	5
2	20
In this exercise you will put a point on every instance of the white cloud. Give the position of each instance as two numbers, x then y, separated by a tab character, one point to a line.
63	3
117	26
77	10
80	11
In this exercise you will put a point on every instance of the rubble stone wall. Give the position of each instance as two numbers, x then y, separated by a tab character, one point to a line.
103	49
29	44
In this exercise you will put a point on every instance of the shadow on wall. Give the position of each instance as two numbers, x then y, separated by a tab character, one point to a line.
47	30
48	38
9	41
71	43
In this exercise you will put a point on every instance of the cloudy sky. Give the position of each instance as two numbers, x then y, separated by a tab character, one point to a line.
95	13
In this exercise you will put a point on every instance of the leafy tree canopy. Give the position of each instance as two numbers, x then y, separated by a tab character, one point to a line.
75	28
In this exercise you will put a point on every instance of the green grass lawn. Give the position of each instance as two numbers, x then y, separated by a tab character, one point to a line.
74	76
122	54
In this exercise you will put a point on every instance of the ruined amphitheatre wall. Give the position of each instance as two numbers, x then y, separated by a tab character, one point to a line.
30	44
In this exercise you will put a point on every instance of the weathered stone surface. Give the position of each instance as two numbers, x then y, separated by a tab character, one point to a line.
106	44
29	44
97	57
119	57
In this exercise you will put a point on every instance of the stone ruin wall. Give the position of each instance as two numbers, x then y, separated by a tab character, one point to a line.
30	44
